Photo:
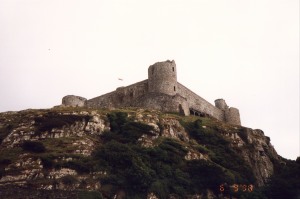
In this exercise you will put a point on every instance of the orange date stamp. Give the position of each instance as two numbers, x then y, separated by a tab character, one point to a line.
236	187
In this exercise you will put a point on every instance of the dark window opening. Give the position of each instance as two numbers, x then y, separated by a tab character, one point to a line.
173	69
198	113
174	88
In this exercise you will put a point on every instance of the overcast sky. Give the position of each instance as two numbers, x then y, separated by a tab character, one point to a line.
244	51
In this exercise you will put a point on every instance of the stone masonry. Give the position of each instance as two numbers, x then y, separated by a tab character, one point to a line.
160	91
74	101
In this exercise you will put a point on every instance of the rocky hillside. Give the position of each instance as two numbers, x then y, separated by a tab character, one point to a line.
135	153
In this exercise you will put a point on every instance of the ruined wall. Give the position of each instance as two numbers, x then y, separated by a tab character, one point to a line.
198	103
123	96
72	100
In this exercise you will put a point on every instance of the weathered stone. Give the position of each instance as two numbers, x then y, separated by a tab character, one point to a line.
152	196
74	101
160	91
56	174
253	145
194	155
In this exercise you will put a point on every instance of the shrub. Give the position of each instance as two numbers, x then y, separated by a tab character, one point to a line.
117	120
285	182
202	149
81	165
160	188
2	172
69	180
124	130
243	134
54	120
205	175
220	151
89	195
4	161
4	131
33	146
47	162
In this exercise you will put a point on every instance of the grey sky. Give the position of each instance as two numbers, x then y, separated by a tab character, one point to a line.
244	51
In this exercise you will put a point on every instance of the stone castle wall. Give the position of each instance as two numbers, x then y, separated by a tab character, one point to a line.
160	91
163	102
74	101
137	95
122	96
198	103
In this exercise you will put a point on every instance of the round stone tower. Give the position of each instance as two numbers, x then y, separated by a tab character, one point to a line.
162	78
221	104
74	101
233	116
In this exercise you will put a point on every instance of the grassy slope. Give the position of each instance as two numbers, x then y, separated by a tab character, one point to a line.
132	168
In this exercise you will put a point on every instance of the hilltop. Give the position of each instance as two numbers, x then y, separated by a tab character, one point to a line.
161	91
69	152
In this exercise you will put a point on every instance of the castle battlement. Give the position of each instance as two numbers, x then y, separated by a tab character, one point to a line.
160	91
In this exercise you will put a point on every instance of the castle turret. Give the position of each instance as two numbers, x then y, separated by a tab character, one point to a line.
221	104
162	78
74	101
231	115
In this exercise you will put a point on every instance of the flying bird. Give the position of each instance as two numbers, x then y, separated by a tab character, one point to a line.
120	79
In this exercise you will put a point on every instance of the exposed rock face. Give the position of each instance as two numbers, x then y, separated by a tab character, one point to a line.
166	127
75	133
260	156
256	150
76	137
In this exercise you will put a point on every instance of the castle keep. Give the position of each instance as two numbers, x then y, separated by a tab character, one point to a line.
160	91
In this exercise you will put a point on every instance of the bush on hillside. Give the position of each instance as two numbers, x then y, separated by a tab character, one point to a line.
54	120
33	146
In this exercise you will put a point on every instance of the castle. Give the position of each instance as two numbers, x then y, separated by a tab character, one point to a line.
160	91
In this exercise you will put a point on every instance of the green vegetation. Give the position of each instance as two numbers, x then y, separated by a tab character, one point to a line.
285	183
89	195
220	151
33	146
80	163
54	120
163	168
8	123
69	179
4	131
7	156
125	166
